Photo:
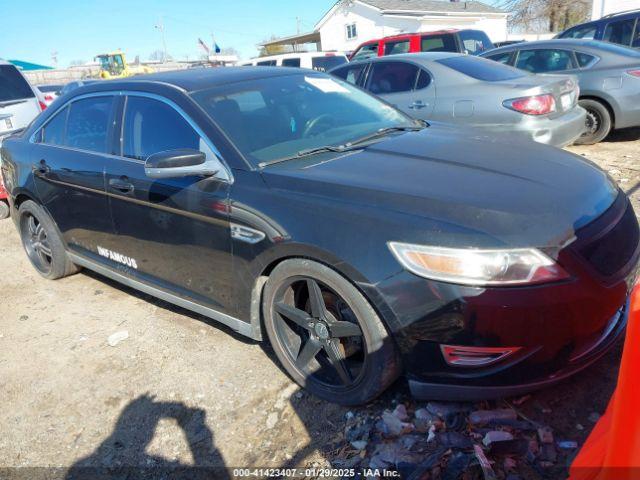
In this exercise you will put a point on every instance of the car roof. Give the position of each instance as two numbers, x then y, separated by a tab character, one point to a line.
581	43
321	54
194	79
418	56
410	34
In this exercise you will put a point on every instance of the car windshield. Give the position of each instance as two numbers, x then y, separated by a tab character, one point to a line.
278	117
481	68
13	86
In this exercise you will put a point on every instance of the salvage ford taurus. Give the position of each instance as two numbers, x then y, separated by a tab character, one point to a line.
292	206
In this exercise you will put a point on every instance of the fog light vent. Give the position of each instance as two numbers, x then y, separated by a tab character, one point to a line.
463	356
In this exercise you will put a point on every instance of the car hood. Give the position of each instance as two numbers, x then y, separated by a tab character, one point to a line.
516	193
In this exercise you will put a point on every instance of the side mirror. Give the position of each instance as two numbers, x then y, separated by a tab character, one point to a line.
179	163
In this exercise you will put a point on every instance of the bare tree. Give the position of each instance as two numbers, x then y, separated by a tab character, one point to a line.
546	15
229	51
159	56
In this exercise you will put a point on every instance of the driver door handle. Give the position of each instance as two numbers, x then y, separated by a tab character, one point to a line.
417	105
121	185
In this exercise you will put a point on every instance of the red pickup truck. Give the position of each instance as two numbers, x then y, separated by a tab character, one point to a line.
464	41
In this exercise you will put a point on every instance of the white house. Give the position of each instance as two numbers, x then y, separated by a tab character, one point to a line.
605	7
351	22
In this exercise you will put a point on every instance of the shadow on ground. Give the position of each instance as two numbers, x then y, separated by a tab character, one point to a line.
624	135
123	454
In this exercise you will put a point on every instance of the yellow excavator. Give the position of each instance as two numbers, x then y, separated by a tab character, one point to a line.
114	65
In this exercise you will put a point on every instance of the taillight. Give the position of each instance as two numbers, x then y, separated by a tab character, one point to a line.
635	73
48	98
534	105
43	106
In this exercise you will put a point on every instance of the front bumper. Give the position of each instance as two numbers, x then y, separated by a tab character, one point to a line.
555	330
461	392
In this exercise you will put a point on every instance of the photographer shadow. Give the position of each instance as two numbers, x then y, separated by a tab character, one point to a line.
123	454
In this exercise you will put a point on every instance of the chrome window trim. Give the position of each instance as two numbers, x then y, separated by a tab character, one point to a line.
134	93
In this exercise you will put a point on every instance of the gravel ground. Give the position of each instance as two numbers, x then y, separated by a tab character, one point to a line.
180	390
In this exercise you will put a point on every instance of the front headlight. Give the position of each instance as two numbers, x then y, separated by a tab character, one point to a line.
467	266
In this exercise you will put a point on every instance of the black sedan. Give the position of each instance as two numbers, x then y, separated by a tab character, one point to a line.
292	206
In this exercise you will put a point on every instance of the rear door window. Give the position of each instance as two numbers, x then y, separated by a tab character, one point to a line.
481	68
291	62
13	86
88	124
53	132
151	126
366	51
545	60
474	41
351	73
619	32
392	77
438	43
397	47
324	64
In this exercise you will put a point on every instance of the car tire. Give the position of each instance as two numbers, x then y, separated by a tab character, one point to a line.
42	242
348	367
598	123
4	210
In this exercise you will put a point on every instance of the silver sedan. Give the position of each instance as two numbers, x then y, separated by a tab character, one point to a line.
609	77
466	90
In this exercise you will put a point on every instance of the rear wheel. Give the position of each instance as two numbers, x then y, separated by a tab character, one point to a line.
42	242
326	335
4	209
598	123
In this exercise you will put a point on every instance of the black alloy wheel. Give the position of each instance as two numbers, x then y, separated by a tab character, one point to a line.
43	243
36	243
319	332
326	334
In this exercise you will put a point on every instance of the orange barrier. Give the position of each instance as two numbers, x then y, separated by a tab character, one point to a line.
612	451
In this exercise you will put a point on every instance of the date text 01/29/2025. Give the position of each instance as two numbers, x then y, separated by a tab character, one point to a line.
314	473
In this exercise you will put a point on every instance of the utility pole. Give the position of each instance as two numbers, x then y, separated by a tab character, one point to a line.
298	22
160	26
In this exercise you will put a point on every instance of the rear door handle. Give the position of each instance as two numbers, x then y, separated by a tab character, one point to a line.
417	105
41	168
121	184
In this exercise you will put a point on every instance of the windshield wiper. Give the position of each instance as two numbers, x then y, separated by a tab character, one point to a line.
353	145
309	151
385	131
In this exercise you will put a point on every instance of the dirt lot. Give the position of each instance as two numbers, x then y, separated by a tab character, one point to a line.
181	390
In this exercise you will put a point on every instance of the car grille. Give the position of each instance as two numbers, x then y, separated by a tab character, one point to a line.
611	252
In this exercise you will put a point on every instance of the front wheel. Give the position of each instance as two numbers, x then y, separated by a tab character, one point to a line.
42	242
326	335
598	122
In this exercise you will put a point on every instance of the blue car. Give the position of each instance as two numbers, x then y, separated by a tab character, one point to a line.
622	28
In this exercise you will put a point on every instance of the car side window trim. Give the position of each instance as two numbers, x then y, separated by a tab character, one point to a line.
228	175
119	125
38	133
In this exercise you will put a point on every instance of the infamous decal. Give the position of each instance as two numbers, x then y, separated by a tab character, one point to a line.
117	257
